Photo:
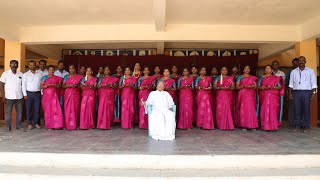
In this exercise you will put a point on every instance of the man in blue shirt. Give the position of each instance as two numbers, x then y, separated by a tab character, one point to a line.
302	88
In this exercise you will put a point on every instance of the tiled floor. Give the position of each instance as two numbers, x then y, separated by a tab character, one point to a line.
135	141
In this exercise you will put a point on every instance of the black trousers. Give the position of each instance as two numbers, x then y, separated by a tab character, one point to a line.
301	99
18	103
33	103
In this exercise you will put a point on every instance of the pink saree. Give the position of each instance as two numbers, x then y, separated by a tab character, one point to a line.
214	102
176	78
157	77
186	103
72	102
136	101
204	103
50	103
269	103
235	109
148	83
117	103
106	97
127	101
246	104
87	105
224	104
194	102
170	83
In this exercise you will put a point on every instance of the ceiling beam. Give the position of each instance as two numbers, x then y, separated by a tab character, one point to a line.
160	47
310	29
159	12
146	33
269	50
51	51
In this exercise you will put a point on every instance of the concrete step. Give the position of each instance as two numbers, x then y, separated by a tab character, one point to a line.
19	165
40	173
158	162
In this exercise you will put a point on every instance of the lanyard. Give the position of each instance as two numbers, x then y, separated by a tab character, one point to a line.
300	76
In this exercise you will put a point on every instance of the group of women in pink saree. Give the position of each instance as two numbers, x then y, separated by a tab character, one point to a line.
207	102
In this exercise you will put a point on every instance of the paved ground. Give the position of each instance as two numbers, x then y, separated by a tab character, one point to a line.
135	141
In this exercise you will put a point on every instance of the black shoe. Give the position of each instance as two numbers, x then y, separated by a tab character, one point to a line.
19	128
9	128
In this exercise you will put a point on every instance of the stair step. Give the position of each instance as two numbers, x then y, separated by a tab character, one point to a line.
11	172
133	161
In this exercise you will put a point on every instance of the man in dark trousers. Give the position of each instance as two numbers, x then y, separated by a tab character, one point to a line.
32	95
302	86
11	90
295	64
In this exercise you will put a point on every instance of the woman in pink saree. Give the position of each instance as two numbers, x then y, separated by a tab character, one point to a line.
137	74
145	84
194	75
269	100
169	84
185	85
224	85
72	98
203	88
50	100
106	94
235	74
157	73
82	71
214	74
127	86
246	103
174	75
88	86
137	71
117	108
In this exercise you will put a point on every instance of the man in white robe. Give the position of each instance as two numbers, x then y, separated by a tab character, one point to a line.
162	122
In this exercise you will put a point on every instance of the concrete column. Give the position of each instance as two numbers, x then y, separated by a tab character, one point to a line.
14	50
1	71
308	49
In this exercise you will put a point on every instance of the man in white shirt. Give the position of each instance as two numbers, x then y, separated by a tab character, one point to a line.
61	73
162	122
302	88
42	67
11	90
277	72
295	64
31	91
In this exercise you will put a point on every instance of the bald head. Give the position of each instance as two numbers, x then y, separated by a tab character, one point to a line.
160	86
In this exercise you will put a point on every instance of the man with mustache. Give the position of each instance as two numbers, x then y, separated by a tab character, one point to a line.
11	90
302	88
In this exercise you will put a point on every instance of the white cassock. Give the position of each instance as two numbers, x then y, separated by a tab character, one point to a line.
162	123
